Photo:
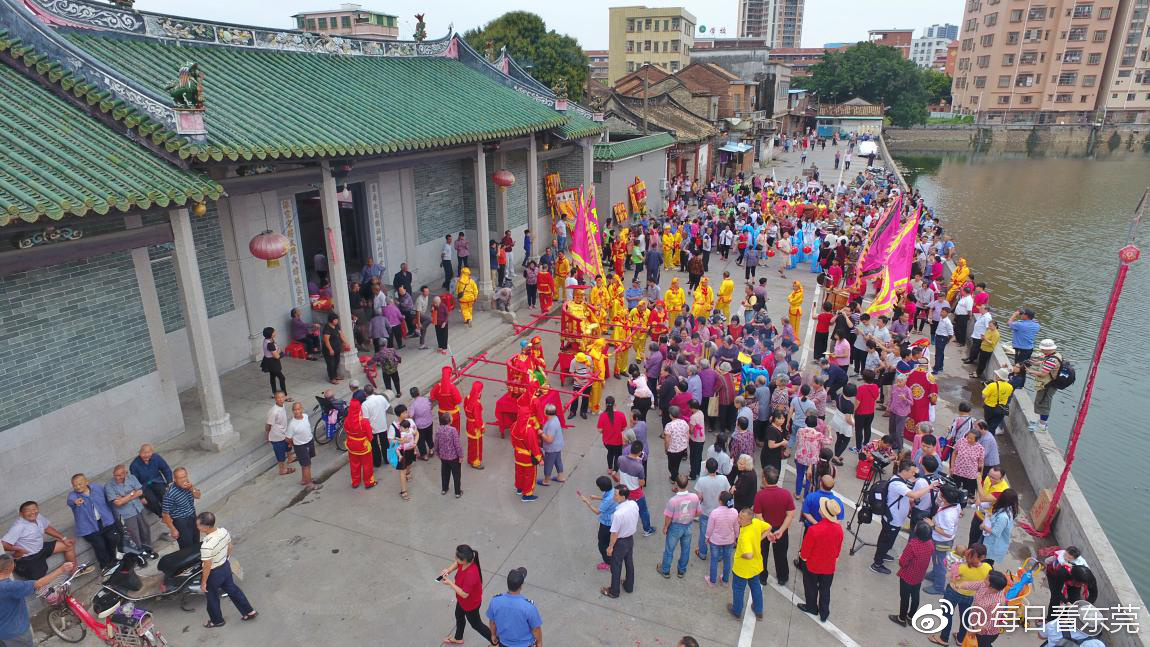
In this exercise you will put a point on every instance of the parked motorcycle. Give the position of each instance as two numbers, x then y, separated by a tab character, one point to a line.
118	625
179	576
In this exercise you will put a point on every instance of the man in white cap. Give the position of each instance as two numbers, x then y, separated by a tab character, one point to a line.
1044	373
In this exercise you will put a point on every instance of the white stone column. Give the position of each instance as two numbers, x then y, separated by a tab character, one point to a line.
539	238
218	431
336	266
482	270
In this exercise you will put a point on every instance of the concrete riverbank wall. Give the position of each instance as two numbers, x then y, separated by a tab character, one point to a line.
1075	523
1107	142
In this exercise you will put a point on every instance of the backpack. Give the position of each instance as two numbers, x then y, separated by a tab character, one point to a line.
877	499
1065	375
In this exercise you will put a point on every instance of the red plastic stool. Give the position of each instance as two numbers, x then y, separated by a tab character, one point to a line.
296	350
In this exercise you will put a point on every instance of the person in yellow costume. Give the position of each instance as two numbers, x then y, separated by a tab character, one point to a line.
639	318
795	300
618	303
669	259
679	247
598	355
600	301
704	301
726	295
467	292
674	298
562	271
619	334
957	279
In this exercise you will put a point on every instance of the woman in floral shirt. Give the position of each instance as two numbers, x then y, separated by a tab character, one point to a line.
809	442
966	461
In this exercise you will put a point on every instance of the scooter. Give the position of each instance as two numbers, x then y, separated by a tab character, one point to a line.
119	625
179	576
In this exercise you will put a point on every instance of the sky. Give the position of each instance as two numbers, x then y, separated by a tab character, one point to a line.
825	21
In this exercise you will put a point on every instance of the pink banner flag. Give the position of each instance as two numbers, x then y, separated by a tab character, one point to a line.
877	249
896	272
584	244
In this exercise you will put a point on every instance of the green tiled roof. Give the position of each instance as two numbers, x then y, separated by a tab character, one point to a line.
630	147
272	104
579	126
57	160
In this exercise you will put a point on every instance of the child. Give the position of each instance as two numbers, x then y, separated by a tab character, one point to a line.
913	564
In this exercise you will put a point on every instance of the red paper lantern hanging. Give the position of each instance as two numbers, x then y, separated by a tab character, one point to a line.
503	179
270	246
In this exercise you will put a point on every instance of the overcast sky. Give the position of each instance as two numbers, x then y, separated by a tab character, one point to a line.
825	20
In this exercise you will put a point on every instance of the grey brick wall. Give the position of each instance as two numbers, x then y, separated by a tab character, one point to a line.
570	168
69	332
213	270
444	198
516	195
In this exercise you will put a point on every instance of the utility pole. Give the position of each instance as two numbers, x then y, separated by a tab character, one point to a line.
646	88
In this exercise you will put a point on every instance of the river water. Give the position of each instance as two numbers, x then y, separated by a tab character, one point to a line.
1044	233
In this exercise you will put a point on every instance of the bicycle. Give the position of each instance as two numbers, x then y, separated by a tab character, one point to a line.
329	423
122	625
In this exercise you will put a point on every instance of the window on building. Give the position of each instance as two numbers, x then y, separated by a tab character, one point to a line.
980	81
647	24
1032	35
1100	36
301	23
1068	78
1016	15
675	45
972	24
323	23
1012	38
983	61
1095	58
1063	98
1027	99
657	23
666	46
1036	13
311	24
1082	11
630	66
630	47
345	22
1008	59
675	24
1104	13
1123	74
646	46
987	40
1004	81
674	66
630	24
1028	58
991	19
1003	99
1131	96
1024	81
1077	33
968	44
1089	80
1072	56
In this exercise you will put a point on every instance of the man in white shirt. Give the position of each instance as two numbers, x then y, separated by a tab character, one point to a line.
942	335
898	498
945	527
445	261
215	552
982	319
962	310
623	525
276	429
375	408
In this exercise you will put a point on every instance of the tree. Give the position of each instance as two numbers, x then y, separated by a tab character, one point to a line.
548	55
937	85
878	74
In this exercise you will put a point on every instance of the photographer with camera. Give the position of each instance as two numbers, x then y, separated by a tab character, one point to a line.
893	500
944	527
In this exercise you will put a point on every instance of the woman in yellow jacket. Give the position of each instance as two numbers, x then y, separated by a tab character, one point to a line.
726	295
704	301
674	298
795	300
467	292
668	249
562	270
639	319
957	279
598	355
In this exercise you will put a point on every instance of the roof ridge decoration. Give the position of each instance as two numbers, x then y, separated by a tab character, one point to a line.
508	72
81	14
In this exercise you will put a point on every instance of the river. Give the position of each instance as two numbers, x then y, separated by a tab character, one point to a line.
1044	233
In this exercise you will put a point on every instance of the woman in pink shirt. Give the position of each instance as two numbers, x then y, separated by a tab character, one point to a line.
841	353
722	532
900	401
966	461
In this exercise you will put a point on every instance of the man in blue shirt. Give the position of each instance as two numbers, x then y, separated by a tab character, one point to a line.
811	514
95	521
515	620
633	294
15	625
1023	330
152	471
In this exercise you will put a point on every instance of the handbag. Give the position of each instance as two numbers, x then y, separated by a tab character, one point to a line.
712	406
865	469
392	455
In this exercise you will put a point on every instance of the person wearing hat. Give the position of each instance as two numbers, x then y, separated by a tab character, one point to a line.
1044	374
822	543
513	619
996	399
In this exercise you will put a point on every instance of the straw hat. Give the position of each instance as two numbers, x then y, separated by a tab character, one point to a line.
829	509
1002	374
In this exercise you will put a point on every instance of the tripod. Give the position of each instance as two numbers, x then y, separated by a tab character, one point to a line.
857	520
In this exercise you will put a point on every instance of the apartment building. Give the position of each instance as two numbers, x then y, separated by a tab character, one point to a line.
899	39
1035	62
598	63
1127	82
924	51
947	31
780	22
799	58
349	20
660	36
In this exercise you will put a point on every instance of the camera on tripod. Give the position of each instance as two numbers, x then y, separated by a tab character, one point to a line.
951	490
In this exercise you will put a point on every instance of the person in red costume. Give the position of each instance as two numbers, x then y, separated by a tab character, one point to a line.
506	410
658	321
525	449
359	446
546	290
923	392
535	353
447	397
473	408
519	371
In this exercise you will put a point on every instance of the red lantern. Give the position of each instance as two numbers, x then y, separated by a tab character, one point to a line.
270	246
807	249
503	179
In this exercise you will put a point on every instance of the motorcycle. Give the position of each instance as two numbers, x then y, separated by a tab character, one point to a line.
179	576
120	625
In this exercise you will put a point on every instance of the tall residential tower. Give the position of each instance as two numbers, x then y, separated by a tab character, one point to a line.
779	22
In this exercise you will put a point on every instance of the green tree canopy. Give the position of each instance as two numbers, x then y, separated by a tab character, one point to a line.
937	85
548	54
878	74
